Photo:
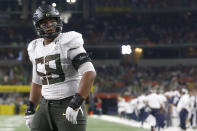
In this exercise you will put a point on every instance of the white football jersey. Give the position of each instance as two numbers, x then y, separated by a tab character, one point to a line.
52	64
162	99
153	101
141	102
184	102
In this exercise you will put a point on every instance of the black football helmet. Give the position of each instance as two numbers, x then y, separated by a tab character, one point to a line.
46	12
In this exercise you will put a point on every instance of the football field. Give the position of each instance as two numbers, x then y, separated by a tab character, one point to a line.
17	123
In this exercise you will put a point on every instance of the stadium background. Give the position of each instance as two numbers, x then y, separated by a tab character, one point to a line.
160	35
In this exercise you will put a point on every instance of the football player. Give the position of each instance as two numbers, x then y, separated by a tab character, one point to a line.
62	75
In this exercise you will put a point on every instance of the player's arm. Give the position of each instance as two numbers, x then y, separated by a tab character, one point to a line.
35	94
34	98
82	63
86	83
36	86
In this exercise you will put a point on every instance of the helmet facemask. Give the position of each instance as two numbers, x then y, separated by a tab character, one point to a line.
42	30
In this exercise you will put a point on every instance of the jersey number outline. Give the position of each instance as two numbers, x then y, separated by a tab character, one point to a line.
50	71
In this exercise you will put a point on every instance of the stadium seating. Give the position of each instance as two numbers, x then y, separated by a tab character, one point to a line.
164	29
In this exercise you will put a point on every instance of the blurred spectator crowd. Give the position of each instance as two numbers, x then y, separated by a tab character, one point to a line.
15	75
121	79
138	29
146	3
15	36
112	29
135	80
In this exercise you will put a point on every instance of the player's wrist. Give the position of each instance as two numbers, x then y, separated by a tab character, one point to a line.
30	108
76	101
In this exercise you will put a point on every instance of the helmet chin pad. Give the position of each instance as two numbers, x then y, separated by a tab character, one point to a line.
50	35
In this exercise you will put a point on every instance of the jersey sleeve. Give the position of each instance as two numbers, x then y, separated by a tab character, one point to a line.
30	50
70	40
35	77
73	52
77	54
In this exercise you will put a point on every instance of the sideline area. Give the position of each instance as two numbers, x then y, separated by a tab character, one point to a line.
133	123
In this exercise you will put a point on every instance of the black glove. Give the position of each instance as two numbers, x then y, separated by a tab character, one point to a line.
30	109
76	101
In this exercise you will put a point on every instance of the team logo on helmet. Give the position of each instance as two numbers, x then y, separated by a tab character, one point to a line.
47	14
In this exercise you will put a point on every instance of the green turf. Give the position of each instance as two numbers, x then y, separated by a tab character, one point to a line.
100	125
17	123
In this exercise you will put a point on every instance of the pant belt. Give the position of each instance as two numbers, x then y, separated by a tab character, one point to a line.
60	101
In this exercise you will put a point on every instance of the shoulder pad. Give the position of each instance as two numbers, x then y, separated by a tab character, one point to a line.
31	47
71	39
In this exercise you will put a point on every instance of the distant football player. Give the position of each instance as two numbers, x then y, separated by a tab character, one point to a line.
141	106
153	102
62	75
184	107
